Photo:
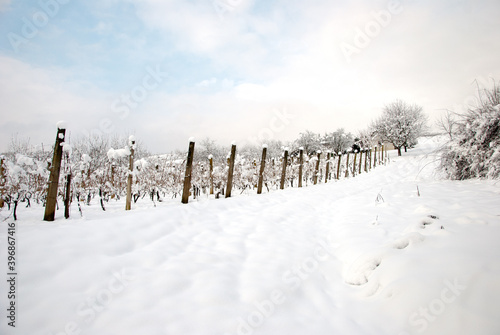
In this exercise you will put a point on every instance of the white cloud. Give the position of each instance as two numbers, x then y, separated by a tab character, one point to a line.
285	55
207	82
238	42
35	99
4	5
227	83
195	25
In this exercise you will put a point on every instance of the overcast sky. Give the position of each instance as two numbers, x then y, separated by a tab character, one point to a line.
243	70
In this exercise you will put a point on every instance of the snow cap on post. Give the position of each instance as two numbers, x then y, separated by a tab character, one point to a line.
61	124
67	148
131	141
264	146
301	148
119	153
191	139
233	143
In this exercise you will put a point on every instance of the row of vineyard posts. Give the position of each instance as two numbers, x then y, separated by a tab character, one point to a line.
362	161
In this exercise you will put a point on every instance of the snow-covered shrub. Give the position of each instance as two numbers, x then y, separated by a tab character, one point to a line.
474	151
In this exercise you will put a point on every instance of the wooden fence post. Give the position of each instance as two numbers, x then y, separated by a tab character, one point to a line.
211	160
360	161
128	200
55	169
338	165
113	171
327	169
354	164
301	164
187	175
2	182
347	166
375	158
229	185
262	167
283	170
67	197
371	160
316	169
381	159
366	160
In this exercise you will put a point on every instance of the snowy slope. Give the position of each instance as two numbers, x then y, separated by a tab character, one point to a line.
365	255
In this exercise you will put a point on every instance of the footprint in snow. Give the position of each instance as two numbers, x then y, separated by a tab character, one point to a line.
429	220
406	240
361	269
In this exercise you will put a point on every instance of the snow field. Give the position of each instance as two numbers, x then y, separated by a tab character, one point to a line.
324	259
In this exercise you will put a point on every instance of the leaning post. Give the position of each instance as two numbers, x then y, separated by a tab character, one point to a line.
283	170
360	160
347	166
316	169
2	182
366	160
382	161
371	159
55	170
338	165
354	164
301	163
187	175
229	185
211	160
262	168
327	169
128	199
67	196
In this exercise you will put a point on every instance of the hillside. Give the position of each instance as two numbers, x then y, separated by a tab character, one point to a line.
396	251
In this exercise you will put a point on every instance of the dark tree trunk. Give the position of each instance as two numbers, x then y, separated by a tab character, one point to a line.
14	211
67	198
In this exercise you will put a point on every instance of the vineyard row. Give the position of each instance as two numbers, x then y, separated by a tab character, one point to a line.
37	178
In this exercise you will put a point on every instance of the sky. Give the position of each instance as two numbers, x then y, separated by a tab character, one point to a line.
235	70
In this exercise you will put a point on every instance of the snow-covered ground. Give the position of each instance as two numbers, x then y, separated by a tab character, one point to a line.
365	255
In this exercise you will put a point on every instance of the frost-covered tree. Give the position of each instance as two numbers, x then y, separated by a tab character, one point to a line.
23	174
310	141
275	148
367	138
207	147
338	141
474	151
401	124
